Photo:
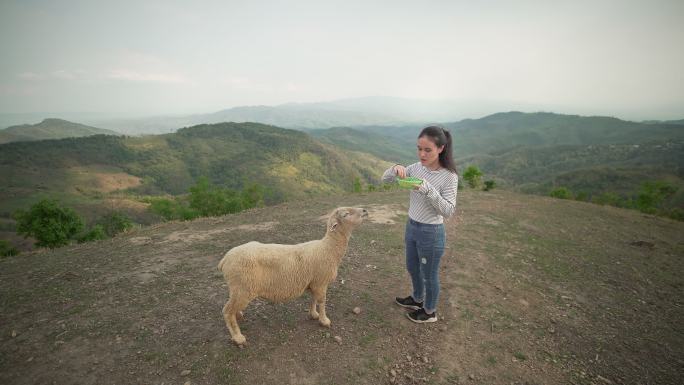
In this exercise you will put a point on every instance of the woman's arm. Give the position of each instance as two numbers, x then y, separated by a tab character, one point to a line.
444	203
390	174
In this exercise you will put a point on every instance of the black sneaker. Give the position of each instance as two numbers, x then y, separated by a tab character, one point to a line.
420	316
408	303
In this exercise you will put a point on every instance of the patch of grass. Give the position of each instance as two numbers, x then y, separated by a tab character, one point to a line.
491	360
520	356
367	339
467	315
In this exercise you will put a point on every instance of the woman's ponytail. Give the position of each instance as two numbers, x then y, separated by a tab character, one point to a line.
441	137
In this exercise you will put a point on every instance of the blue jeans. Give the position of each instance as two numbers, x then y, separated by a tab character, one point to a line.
424	249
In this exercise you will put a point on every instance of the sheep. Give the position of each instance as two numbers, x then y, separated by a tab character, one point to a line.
282	272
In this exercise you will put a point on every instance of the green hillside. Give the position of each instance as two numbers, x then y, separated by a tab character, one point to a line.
50	129
289	163
507	130
382	146
592	169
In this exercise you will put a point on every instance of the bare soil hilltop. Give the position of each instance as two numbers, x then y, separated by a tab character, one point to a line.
534	291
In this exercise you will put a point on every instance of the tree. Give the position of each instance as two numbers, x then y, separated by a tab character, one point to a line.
489	184
472	175
48	222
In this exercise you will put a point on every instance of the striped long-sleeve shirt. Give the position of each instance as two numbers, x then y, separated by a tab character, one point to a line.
436	197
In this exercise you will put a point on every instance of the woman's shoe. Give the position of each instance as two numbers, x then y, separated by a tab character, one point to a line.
408	303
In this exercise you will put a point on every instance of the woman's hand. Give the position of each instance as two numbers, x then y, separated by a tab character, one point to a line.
400	170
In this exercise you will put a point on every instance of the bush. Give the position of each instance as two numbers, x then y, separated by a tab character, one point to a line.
356	185
211	201
49	223
94	234
6	249
676	214
115	223
609	198
172	209
472	175
561	193
582	196
652	195
488	185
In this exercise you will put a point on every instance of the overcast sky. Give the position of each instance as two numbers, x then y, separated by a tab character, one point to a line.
620	58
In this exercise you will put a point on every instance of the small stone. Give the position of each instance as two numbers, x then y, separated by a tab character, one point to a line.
372	242
357	310
187	383
14	333
30	359
471	376
393	373
185	373
408	358
392	380
338	339
425	359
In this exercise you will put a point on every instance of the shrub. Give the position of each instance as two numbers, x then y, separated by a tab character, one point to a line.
356	185
6	249
561	193
472	175
172	209
582	196
94	234
609	198
115	223
209	200
652	195
488	185
49	223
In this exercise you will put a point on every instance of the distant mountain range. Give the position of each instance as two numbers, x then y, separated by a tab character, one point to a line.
376	110
50	129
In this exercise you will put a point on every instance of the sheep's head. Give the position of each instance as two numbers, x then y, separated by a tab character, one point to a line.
346	218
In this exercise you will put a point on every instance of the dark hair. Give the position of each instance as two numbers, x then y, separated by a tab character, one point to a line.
441	137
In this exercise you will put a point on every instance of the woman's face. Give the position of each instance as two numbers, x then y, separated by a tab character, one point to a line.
428	152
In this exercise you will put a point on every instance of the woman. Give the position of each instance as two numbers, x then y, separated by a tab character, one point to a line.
430	202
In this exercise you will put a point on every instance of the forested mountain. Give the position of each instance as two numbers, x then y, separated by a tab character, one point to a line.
50	129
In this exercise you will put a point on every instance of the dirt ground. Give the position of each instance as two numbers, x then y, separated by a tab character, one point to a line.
534	290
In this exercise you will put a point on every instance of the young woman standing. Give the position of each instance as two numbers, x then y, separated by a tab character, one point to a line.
430	202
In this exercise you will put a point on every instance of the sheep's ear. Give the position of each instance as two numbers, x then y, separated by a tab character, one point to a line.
333	227
342	214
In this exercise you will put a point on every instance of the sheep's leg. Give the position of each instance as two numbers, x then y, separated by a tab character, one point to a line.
319	297
312	310
231	310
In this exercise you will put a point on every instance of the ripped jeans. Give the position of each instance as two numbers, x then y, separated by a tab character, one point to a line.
424	249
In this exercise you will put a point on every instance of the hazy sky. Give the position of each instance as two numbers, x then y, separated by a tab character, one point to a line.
621	58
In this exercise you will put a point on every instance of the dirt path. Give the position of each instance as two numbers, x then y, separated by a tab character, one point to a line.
534	291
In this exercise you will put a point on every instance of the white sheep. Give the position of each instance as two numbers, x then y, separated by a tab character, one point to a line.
282	272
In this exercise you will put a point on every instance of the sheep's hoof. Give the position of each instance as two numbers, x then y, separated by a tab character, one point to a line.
240	340
325	322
